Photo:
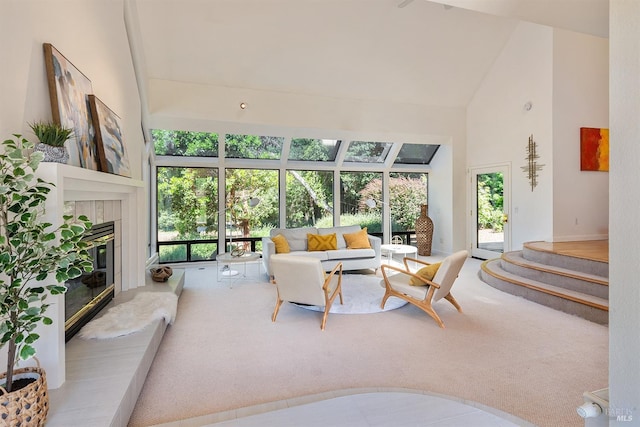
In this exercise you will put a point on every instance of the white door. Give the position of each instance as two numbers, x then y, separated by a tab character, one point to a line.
490	206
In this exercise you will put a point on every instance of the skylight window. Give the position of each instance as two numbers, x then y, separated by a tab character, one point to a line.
318	150
184	143
253	146
416	154
367	152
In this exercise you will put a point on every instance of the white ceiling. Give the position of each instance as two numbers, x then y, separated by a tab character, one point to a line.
422	53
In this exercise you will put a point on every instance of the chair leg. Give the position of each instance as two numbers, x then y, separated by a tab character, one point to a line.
431	312
324	316
275	312
453	301
422	305
386	296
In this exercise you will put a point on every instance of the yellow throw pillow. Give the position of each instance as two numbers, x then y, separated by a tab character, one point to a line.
357	240
427	272
322	242
282	246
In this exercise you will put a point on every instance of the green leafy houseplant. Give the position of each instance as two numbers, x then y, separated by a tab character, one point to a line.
51	133
31	251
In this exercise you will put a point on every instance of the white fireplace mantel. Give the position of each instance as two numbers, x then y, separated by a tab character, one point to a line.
77	184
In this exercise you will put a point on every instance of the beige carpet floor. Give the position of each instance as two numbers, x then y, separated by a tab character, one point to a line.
223	352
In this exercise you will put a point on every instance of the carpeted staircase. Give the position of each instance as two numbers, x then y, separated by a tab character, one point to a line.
574	285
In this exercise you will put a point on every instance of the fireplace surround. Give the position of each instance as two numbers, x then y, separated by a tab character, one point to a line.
102	197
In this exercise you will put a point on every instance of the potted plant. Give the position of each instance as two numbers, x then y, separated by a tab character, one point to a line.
51	137
32	251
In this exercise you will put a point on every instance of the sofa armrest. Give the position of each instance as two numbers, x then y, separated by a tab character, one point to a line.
268	249
375	243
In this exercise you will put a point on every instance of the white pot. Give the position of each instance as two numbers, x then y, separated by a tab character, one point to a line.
53	154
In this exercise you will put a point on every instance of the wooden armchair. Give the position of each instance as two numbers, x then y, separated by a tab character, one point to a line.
301	279
398	284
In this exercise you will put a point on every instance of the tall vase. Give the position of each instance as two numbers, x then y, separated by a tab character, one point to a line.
424	232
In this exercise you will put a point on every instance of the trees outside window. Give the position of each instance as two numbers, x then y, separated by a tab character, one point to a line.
184	143
353	196
309	197
490	201
253	146
244	220
187	209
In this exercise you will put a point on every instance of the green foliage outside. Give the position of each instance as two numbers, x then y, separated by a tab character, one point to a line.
184	143
309	199
490	201
187	203
253	147
406	194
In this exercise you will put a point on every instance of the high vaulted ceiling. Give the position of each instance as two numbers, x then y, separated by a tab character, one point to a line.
423	52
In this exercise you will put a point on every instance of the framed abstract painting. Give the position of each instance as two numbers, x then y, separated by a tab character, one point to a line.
594	149
111	149
68	91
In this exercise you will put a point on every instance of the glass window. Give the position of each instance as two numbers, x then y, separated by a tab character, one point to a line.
253	147
367	152
252	203
416	154
309	198
187	207
407	191
355	189
172	253
320	150
184	143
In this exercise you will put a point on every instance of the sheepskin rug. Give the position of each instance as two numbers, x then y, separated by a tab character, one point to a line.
132	316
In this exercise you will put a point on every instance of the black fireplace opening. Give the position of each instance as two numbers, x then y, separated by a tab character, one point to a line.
88	294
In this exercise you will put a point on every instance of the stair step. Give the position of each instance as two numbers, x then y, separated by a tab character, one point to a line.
535	253
578	303
515	263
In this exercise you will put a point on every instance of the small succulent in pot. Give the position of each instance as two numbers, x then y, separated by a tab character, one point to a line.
51	133
52	137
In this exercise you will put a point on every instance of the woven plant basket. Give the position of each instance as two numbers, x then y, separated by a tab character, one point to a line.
28	406
424	232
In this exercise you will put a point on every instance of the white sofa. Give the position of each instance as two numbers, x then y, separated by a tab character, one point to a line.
352	259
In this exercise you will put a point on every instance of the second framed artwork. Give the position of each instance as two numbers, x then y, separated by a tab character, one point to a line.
109	140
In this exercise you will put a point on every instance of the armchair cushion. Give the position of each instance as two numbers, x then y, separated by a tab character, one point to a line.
426	272
358	240
282	246
318	242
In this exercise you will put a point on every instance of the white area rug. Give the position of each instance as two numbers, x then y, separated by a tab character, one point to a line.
132	316
362	294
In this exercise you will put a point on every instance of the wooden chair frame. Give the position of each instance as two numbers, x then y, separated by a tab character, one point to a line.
424	304
329	296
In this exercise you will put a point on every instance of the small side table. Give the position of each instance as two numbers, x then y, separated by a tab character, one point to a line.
393	249
226	259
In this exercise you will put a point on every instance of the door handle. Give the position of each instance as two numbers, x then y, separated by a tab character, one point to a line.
505	218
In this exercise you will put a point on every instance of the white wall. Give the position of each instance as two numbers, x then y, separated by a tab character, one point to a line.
624	185
498	127
580	99
92	36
